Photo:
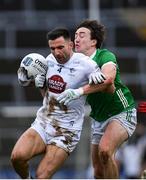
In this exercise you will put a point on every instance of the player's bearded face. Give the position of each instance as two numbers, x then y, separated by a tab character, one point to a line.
61	49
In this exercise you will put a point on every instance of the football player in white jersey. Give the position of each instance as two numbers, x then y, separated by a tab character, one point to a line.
57	127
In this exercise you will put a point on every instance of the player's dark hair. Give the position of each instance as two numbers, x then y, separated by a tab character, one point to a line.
58	32
97	30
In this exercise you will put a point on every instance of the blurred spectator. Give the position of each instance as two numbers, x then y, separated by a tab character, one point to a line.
131	157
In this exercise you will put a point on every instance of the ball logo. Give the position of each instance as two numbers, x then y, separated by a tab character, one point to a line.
56	84
42	65
27	61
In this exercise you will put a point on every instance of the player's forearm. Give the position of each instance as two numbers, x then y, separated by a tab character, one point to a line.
43	91
72	94
107	86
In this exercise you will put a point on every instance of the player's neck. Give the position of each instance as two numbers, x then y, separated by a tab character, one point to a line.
90	51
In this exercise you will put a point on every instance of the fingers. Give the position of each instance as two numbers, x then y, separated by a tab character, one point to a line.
66	96
103	76
69	95
66	102
61	98
90	80
23	77
97	78
40	80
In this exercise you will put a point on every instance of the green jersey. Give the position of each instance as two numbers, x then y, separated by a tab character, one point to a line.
105	105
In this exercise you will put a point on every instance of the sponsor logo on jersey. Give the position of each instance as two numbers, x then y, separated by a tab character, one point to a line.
56	84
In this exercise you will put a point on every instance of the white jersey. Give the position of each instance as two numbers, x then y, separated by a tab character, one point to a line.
60	77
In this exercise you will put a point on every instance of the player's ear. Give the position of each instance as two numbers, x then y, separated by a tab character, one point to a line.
94	42
71	44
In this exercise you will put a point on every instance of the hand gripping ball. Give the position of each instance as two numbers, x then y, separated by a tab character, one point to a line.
35	64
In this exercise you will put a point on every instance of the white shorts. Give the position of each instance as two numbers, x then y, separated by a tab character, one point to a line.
58	136
127	119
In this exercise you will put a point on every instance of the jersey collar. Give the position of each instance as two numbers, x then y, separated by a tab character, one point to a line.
92	55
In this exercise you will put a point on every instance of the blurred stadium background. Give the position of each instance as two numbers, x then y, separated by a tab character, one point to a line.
23	28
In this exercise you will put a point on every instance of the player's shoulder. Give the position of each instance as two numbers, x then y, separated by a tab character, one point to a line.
84	61
50	57
79	55
105	52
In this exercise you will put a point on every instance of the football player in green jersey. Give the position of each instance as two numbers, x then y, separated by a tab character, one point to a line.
113	115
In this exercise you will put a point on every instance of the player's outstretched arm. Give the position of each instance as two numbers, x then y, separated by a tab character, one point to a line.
106	86
72	94
100	81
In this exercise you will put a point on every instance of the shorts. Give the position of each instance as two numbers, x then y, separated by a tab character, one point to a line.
127	119
58	136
